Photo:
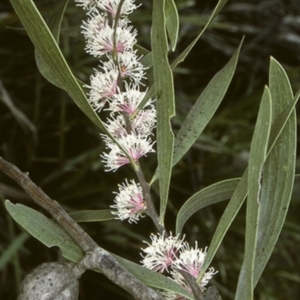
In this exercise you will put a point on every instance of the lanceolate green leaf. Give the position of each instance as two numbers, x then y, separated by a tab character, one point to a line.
212	194
45	43
184	54
204	108
258	153
92	215
279	171
227	218
44	230
51	234
172	22
164	89
153	279
281	117
54	23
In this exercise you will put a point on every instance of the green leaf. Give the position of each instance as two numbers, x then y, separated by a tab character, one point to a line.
54	23
44	230
153	279
172	22
184	54
281	117
164	89
51	234
45	43
258	153
227	218
279	170
212	194
204	108
92	215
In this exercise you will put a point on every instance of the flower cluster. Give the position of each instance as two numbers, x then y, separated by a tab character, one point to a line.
174	256
129	202
116	87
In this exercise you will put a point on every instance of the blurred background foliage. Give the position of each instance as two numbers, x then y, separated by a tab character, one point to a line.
44	133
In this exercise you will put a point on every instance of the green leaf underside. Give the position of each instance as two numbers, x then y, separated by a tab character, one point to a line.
153	279
258	153
179	59
44	42
281	117
172	22
51	234
54	24
212	194
92	215
279	171
204	108
164	89
44	230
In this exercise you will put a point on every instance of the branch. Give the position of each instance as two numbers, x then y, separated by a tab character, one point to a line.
106	263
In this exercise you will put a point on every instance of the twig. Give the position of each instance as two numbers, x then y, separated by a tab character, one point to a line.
106	263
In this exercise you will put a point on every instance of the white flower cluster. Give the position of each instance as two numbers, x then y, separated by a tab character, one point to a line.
174	255
129	201
115	87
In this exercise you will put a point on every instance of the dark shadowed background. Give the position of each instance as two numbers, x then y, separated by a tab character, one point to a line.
44	133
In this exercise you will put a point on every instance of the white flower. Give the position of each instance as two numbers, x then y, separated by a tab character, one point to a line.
111	6
135	146
162	252
87	4
191	260
104	85
144	121
102	41
129	201
93	25
130	66
116	126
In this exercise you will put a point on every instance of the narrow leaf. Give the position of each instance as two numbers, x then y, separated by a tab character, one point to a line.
54	23
258	153
92	215
204	108
227	218
212	194
172	22
153	279
281	117
164	89
44	230
45	43
279	171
